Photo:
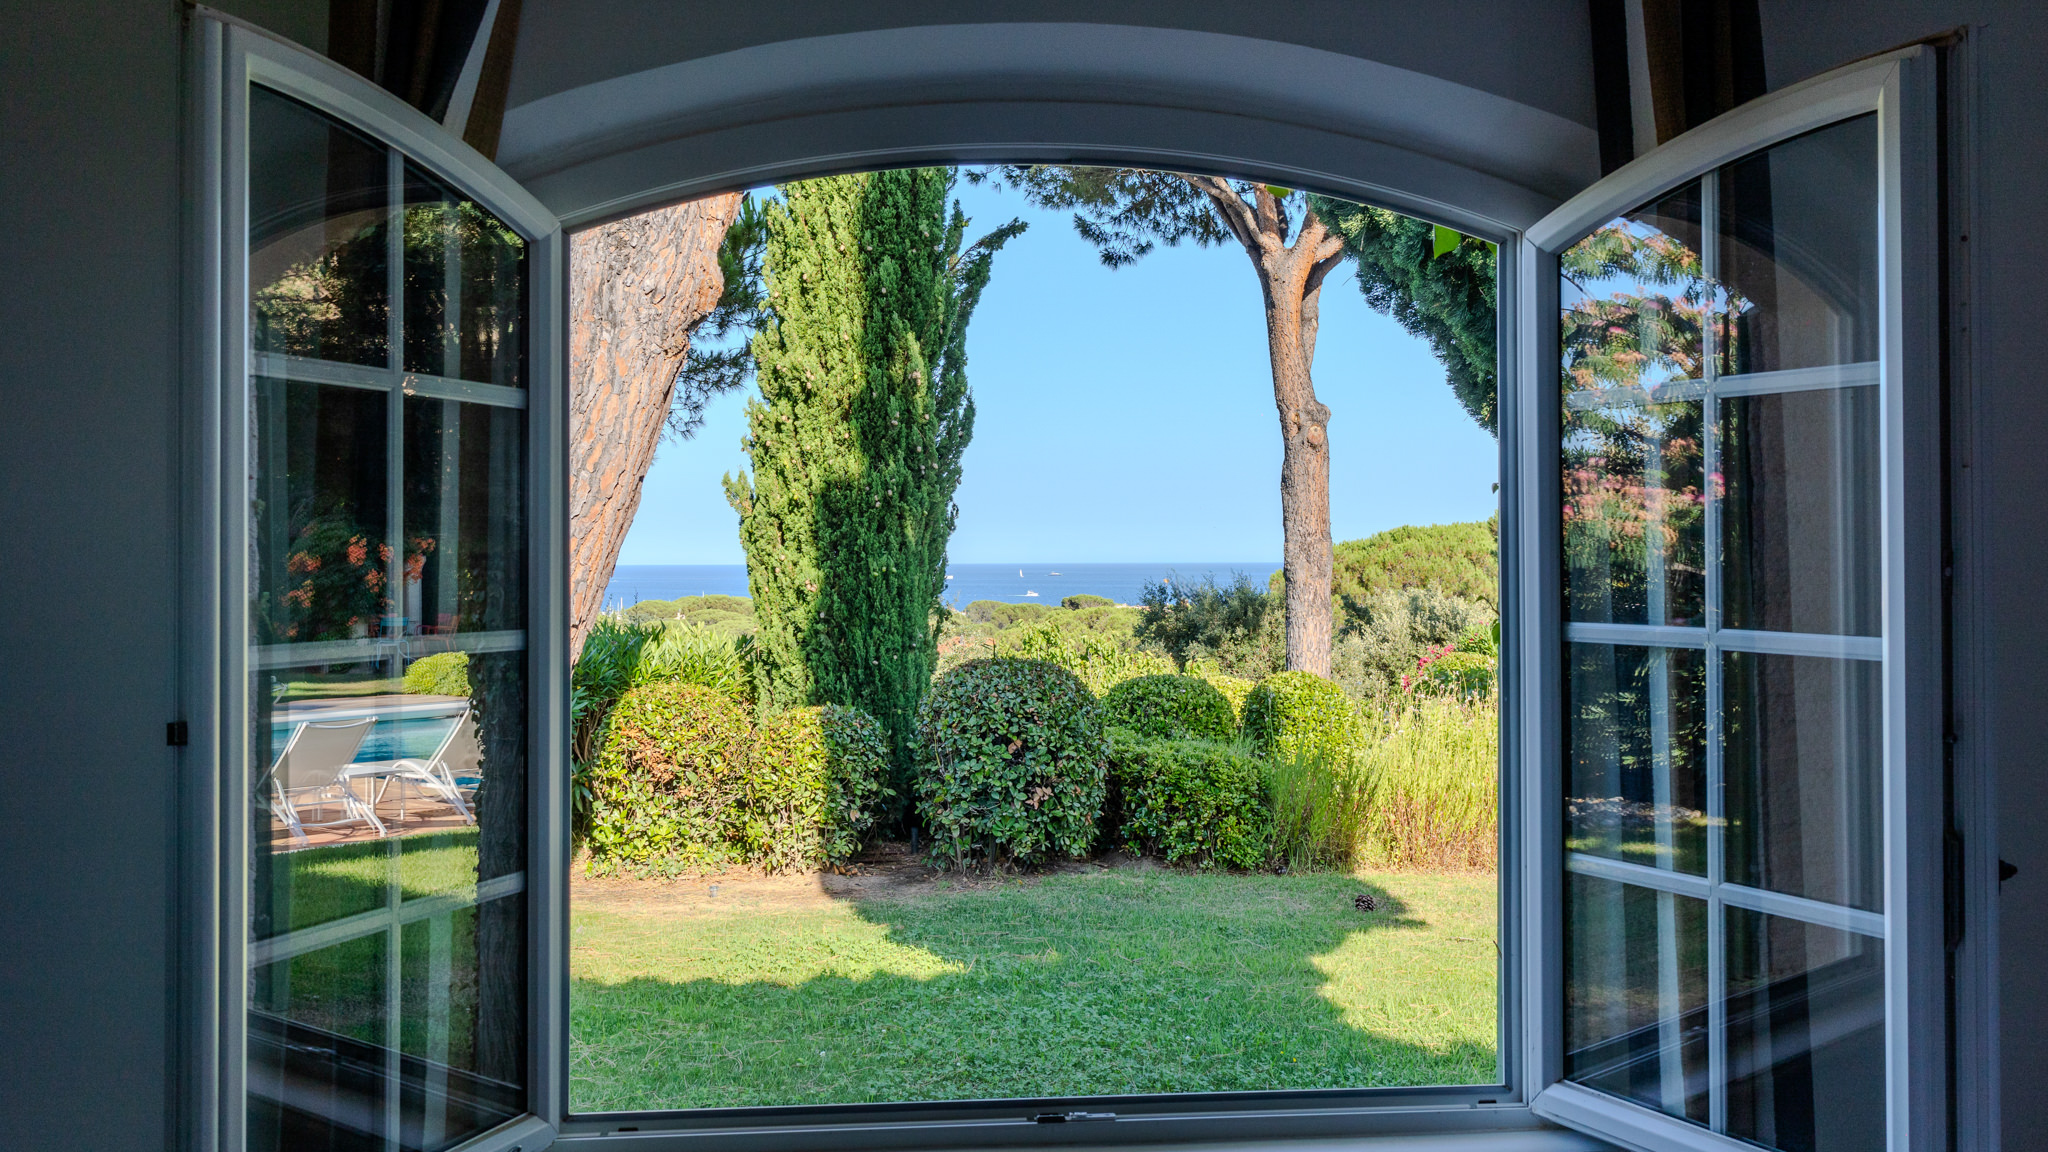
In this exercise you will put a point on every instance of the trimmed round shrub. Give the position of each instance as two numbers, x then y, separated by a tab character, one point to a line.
812	787
1170	708
1011	758
669	785
1466	675
442	674
1190	801
1234	689
1297	714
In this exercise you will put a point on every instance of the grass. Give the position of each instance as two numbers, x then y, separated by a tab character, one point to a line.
1432	780
1103	982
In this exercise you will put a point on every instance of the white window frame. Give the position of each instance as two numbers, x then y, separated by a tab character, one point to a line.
1899	89
225	57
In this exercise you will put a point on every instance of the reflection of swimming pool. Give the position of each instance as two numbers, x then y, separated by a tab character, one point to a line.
392	739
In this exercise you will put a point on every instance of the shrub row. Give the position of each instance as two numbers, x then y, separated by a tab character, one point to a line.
685	780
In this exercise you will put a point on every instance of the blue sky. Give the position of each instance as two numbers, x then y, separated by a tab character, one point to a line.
1128	416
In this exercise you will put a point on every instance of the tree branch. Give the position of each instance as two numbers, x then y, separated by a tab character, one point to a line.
1229	205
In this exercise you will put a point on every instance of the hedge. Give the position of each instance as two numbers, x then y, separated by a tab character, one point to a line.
1294	714
812	787
442	674
1170	708
668	785
1011	758
1190	801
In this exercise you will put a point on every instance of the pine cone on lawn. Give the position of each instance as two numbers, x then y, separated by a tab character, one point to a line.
1366	902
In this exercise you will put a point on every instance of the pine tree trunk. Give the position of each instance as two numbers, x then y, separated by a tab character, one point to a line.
638	289
1304	470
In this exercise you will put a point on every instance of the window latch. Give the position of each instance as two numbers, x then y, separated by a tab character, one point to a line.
1072	1117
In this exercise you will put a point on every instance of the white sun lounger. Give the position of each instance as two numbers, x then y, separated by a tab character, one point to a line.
311	772
430	775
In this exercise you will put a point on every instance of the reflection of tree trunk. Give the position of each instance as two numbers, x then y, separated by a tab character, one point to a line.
1291	279
638	289
498	691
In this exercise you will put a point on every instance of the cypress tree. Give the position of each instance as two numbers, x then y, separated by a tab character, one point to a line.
857	439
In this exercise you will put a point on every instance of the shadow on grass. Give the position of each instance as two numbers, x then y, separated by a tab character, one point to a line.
1102	983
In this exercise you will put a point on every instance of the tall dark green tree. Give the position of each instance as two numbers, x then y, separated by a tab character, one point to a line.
1437	284
857	438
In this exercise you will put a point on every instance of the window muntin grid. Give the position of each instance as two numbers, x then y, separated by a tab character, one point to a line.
1662	467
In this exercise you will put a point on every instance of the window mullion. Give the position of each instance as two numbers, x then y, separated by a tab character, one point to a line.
1710	469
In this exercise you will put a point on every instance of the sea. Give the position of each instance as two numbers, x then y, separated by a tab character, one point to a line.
1033	583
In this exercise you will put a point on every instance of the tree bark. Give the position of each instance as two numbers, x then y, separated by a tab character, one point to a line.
1291	279
638	288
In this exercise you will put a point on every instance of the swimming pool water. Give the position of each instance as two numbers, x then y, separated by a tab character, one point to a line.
393	739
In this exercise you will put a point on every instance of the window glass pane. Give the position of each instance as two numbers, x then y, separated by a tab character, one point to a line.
1798	239
467	1062
455	250
317	1026
1637	782
322	511
1803	742
1800	526
319	223
1636	997
1806	1052
464	491
1633	295
1634	514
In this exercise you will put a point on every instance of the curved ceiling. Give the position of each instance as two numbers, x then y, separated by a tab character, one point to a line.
594	141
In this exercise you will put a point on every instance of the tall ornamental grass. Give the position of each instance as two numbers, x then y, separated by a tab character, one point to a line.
1430	771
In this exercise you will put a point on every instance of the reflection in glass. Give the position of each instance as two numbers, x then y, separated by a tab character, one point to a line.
1633	294
464	490
1806	1053
1802	749
317	1026
1798	239
1634	514
1636	778
1635	1015
456	251
1800	531
322	511
319	223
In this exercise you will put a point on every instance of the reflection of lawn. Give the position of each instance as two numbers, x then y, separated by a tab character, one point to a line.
1111	982
341	987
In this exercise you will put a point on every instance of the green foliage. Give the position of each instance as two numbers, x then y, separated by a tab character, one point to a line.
1011	761
731	614
668	788
1320	804
1295	714
1170	708
1239	629
812	788
1189	801
856	440
716	366
698	654
1084	600
441	674
1459	560
1235	689
1432	777
1444	295
1004	615
1391	631
1124	212
1449	672
1100	663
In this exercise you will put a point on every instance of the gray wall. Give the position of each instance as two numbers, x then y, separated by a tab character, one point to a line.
89	298
90	480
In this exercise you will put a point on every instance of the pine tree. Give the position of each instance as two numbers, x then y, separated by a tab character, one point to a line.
857	439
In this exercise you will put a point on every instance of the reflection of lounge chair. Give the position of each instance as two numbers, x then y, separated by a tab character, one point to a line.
311	771
430	775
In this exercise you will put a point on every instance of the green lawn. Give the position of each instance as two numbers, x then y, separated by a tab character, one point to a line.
1118	981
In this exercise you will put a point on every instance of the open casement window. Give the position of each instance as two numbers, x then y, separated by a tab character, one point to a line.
1735	424
384	410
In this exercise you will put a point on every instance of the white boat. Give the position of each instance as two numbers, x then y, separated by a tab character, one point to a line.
1031	593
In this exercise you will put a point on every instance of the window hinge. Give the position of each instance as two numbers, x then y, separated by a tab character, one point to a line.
176	734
